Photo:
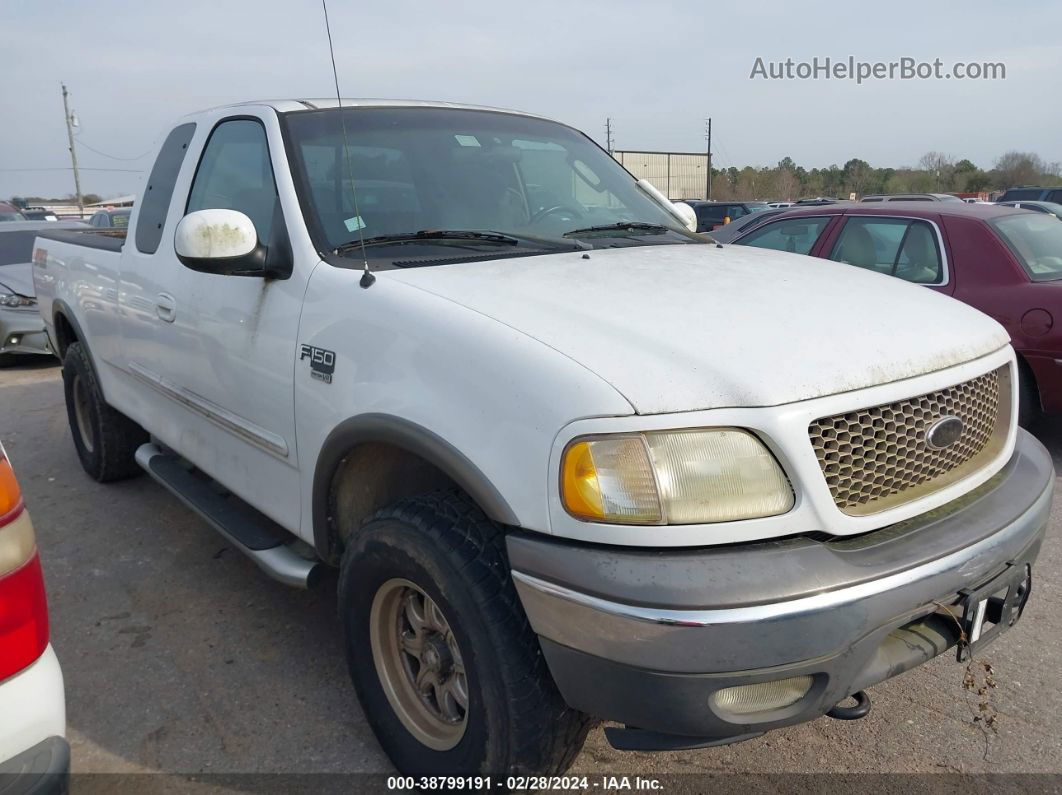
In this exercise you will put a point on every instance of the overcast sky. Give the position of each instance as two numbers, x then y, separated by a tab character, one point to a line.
657	68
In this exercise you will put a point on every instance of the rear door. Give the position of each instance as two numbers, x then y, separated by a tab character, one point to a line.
912	249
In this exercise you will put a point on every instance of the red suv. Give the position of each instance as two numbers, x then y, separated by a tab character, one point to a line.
1004	261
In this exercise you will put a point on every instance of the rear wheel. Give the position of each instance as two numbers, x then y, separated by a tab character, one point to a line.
105	439
446	666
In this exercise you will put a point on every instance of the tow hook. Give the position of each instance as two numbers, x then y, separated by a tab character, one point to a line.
860	710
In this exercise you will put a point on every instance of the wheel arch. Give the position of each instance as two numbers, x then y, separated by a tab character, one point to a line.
407	459
66	328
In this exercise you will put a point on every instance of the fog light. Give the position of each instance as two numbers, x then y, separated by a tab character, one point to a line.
14	339
762	697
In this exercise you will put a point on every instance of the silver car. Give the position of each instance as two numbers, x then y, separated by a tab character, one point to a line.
21	328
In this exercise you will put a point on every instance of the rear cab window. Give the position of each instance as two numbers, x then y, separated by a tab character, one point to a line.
159	189
903	247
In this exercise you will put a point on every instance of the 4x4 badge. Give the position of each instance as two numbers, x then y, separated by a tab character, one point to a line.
322	362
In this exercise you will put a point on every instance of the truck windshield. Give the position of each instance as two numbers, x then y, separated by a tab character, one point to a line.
1036	240
422	169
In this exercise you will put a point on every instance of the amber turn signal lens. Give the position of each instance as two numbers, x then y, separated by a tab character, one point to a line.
10	496
581	490
610	479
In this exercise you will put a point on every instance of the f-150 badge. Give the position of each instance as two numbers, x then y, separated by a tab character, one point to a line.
322	362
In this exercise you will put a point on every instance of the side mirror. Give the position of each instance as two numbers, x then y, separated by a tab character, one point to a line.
689	217
220	241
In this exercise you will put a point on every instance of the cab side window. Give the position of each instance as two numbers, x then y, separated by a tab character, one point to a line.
235	173
901	247
796	235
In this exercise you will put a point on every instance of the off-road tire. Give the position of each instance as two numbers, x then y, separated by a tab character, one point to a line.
105	439
517	723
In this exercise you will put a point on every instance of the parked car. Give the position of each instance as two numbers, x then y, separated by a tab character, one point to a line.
712	215
34	754
780	205
1033	193
9	212
1005	262
1037	207
818	201
115	218
21	327
38	214
911	197
584	465
725	234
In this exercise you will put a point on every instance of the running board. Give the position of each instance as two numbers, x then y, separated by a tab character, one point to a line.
251	532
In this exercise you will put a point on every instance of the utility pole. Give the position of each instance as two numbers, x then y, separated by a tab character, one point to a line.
70	122
608	134
708	184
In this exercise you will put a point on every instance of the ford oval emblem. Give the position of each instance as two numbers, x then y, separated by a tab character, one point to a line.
944	433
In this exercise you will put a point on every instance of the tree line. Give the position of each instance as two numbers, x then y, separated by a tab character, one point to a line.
936	172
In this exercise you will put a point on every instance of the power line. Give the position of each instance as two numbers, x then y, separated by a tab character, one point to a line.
112	157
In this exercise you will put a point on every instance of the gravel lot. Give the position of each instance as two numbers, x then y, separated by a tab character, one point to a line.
181	657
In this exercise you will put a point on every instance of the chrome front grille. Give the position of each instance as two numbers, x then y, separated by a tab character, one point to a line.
878	458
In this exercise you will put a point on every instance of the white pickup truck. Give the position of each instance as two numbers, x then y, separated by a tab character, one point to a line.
573	461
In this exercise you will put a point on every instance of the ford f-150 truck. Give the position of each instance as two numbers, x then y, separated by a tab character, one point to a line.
572	460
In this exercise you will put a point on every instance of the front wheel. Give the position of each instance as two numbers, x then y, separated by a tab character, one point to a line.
445	664
1029	410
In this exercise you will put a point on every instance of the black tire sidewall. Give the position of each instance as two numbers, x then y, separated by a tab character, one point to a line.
1029	409
76	366
387	549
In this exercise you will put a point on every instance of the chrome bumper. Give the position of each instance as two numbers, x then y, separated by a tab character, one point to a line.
693	621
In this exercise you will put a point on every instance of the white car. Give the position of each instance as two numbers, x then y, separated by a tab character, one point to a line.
34	756
572	460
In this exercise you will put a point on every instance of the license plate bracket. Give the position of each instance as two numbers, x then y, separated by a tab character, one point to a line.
993	607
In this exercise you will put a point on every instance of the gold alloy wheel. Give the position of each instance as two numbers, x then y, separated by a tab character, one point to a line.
82	413
419	664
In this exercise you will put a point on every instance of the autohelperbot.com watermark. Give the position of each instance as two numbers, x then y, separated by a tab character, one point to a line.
850	68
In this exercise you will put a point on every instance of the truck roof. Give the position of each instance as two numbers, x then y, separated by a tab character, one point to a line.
294	105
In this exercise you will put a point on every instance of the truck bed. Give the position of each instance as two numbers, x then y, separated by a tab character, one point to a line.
105	239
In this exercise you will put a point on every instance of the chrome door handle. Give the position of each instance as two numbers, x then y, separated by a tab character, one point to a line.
166	307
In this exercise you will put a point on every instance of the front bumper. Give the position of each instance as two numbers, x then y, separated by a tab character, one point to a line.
43	769
646	637
22	331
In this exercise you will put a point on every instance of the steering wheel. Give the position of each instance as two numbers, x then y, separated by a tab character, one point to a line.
556	208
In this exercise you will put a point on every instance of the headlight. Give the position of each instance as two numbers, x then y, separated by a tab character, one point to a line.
673	477
16	301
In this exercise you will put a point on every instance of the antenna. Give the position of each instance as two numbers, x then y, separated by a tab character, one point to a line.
367	277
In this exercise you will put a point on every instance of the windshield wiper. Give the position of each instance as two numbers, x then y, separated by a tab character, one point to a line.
432	234
636	227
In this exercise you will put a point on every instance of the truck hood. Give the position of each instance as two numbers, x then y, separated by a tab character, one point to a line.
688	327
18	278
